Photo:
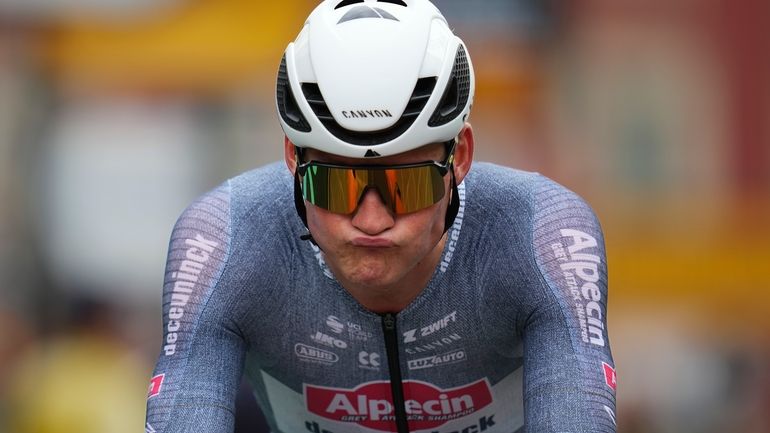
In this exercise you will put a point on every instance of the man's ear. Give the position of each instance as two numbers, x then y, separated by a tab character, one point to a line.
463	152
289	154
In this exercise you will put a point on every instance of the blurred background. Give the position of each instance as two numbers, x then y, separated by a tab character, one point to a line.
114	114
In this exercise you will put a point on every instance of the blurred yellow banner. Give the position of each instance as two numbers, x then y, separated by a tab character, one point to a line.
199	45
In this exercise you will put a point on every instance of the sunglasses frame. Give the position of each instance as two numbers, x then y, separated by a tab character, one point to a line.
443	167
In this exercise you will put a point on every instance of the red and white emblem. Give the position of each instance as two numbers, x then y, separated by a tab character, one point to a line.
610	377
155	384
370	404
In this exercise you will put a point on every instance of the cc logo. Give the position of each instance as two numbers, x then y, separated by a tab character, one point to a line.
369	359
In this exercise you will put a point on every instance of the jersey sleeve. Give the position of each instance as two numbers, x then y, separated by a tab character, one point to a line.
196	377
569	383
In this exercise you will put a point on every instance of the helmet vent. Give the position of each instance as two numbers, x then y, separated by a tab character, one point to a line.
360	12
287	105
395	2
422	91
344	3
457	92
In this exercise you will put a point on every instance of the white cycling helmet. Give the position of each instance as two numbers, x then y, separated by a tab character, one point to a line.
369	78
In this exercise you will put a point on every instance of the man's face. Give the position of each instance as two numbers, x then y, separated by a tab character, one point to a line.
373	247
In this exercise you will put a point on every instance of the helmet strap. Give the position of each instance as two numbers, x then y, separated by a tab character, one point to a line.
299	205
454	203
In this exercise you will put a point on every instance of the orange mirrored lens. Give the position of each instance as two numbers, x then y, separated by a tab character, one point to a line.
402	189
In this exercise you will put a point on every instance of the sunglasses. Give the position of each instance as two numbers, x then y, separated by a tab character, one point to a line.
403	188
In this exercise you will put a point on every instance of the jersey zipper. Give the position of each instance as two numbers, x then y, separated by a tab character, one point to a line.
396	386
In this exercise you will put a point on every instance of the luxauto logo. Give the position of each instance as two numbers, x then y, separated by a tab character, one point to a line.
437	360
370	404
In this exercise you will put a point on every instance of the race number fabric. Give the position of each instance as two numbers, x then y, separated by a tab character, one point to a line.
509	335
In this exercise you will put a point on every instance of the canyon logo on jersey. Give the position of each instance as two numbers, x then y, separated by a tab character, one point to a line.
370	404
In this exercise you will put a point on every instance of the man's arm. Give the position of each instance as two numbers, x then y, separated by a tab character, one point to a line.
569	383
196	378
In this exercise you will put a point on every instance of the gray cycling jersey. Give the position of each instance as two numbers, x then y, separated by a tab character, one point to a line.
509	335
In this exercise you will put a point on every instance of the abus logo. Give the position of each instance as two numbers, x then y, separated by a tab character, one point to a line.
370	404
327	340
335	325
434	361
314	354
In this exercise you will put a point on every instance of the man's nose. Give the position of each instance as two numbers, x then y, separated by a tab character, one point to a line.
372	215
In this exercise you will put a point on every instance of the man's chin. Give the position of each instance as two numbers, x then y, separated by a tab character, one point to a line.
373	278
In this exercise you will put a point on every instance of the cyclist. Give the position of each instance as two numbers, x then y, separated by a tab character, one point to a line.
412	293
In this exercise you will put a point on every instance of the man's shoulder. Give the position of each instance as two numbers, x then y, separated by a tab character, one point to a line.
263	194
492	177
494	186
273	178
259	189
507	195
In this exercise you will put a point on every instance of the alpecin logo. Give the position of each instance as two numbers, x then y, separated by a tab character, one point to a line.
370	404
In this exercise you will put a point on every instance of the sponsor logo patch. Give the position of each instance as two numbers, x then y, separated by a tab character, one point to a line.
310	353
370	405
327	340
156	383
437	360
610	377
369	361
580	267
356	332
335	325
185	279
438	343
454	235
412	335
